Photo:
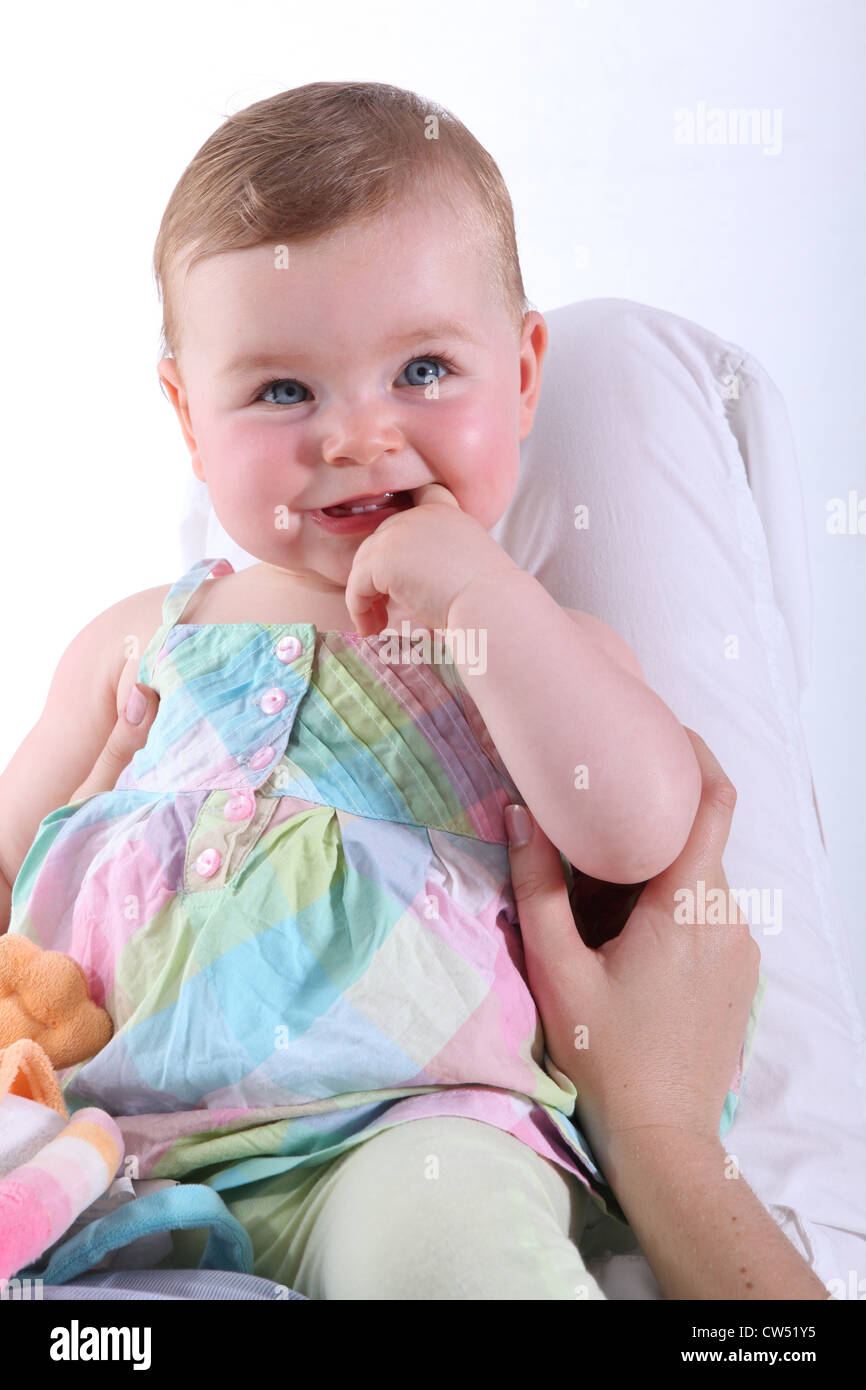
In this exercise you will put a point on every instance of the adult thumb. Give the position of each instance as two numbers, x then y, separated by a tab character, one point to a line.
123	742
547	922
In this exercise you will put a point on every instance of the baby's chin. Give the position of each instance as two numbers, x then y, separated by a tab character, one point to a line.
325	570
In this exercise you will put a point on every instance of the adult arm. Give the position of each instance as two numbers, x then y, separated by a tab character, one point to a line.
665	1008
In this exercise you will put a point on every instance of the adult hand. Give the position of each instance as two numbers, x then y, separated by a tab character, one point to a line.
124	740
649	1025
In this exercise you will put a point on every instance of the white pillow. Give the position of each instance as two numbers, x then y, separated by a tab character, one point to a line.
658	428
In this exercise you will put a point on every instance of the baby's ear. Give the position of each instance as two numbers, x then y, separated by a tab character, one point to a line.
171	385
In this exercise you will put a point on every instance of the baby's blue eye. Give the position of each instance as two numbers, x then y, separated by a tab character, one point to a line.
437	361
274	385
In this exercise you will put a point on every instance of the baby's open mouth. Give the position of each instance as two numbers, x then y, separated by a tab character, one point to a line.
357	505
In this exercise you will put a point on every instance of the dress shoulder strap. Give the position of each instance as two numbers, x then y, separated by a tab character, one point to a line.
173	607
182	590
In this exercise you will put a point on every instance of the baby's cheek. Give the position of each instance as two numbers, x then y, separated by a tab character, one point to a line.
487	495
483	479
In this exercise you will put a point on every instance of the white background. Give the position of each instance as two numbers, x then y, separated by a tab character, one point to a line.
103	106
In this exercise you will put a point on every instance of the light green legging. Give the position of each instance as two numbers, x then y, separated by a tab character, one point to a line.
442	1208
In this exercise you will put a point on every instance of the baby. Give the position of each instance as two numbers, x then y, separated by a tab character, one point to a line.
295	903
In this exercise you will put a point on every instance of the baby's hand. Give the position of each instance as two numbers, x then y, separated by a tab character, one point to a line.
418	561
124	740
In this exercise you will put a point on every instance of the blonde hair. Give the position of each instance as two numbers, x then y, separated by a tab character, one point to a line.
328	155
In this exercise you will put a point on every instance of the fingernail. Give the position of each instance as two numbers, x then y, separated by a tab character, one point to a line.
518	825
135	705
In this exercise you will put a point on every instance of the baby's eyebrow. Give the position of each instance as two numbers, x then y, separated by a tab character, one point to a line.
442	328
455	329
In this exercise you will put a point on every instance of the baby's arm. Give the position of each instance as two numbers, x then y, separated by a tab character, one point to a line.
561	693
80	712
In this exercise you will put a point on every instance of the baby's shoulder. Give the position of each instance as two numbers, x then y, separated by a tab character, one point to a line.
128	626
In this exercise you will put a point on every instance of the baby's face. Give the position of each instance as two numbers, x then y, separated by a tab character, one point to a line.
336	406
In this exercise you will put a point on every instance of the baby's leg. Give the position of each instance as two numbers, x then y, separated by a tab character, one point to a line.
444	1208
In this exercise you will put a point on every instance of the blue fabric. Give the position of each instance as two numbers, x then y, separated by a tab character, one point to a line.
185	1207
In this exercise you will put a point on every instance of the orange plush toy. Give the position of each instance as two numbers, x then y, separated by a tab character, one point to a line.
47	1020
44	996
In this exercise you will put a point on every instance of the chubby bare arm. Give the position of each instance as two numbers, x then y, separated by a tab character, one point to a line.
608	771
76	737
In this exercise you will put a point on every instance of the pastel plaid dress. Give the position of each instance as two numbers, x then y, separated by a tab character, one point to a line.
296	906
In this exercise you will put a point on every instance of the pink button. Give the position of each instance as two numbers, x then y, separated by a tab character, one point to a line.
273	700
208	862
288	648
262	757
240	806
